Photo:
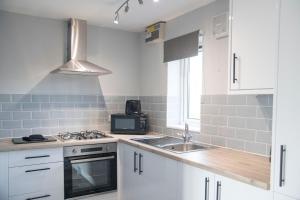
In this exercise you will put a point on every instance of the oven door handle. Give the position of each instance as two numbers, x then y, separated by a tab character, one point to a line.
92	159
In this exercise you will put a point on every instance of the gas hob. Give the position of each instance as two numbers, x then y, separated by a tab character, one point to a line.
83	135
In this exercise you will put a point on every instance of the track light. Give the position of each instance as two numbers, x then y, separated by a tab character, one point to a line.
127	8
116	20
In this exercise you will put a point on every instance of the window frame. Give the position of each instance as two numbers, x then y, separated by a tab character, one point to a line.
184	87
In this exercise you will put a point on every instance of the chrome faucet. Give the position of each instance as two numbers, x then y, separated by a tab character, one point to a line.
186	135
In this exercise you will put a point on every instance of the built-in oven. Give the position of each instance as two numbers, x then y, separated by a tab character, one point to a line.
90	169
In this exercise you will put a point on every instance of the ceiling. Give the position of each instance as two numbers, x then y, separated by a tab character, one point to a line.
101	12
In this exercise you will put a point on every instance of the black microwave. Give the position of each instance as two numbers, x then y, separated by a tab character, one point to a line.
129	124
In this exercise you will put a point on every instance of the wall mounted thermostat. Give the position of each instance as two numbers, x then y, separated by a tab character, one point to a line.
221	25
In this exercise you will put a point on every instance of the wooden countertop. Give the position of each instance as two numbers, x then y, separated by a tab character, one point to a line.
245	167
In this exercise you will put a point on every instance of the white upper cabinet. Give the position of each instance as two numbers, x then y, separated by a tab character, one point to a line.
287	113
254	46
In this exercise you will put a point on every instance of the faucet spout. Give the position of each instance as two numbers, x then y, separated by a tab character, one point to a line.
186	135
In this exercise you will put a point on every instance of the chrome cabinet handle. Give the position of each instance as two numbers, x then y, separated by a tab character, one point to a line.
92	159
36	170
140	164
218	190
234	70
33	157
206	188
282	165
134	162
39	197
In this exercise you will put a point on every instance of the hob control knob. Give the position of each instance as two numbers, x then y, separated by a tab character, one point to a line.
74	151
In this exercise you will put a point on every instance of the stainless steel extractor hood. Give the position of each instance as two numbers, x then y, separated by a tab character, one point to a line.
76	52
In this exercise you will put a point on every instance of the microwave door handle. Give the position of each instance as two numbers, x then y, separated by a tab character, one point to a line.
92	159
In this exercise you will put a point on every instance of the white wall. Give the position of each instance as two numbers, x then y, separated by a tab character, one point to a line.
31	47
154	71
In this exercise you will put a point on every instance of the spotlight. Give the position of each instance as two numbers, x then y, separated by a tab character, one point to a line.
127	8
156	1
116	20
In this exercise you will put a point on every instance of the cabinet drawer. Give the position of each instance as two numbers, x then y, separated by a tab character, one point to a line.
47	195
36	178
35	156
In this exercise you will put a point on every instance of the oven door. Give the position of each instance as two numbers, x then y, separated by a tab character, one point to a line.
90	174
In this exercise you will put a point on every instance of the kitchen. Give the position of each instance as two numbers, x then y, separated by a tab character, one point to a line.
152	99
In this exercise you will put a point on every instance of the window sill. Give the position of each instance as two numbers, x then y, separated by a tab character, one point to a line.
181	127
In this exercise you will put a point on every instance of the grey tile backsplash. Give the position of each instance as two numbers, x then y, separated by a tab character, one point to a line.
22	115
242	122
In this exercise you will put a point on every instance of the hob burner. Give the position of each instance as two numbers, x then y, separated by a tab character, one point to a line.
83	135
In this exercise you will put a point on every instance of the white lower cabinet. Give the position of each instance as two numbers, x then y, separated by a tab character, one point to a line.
129	186
34	174
195	184
282	197
228	189
158	176
198	184
146	176
43	195
35	157
36	179
4	176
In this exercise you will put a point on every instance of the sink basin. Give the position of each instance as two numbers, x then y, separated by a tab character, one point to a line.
160	141
173	144
185	147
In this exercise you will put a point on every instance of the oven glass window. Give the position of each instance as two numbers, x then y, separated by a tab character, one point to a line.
125	124
90	175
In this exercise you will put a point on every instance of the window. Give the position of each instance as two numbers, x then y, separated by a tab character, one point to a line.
184	92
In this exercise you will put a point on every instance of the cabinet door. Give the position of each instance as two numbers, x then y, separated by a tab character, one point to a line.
287	129
254	39
4	176
36	179
228	189
129	182
42	195
281	197
195	184
159	176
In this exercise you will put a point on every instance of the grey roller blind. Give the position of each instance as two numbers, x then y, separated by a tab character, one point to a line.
181	47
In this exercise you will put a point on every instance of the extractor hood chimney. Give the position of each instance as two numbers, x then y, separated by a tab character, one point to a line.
76	52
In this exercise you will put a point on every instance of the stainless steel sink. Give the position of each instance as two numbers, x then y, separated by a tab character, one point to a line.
159	141
185	147
173	144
